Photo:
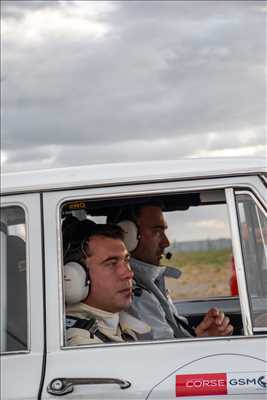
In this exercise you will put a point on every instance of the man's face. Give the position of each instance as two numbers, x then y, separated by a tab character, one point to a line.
153	241
110	274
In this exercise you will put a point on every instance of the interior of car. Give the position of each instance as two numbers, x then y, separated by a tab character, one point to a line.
203	252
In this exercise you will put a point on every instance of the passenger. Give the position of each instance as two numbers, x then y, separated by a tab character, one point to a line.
154	306
98	285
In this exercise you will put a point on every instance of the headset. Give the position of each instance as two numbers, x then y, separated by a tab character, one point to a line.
131	230
77	282
126	219
130	233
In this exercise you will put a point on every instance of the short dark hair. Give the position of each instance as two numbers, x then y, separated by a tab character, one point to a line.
151	203
133	211
77	234
111	231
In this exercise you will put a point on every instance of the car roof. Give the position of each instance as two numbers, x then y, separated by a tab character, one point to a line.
123	173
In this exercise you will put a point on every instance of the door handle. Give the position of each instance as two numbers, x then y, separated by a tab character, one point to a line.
61	386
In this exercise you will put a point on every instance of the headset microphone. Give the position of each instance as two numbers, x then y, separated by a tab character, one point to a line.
168	255
137	291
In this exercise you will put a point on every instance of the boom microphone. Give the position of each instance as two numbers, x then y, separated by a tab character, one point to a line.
168	255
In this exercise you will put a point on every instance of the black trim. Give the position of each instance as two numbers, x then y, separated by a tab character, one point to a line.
44	301
263	178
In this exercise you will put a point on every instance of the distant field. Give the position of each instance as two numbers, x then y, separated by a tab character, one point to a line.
204	274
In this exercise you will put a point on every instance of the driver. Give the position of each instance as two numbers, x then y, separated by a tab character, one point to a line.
154	306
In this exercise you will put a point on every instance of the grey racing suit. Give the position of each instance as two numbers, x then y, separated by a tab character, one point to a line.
153	305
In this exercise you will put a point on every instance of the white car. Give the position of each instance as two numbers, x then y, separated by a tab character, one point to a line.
223	200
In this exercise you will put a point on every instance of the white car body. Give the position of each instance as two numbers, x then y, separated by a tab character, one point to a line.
220	368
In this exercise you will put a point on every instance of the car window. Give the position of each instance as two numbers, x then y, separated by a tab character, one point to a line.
201	248
13	280
253	232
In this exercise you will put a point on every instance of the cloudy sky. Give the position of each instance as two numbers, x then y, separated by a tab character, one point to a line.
86	82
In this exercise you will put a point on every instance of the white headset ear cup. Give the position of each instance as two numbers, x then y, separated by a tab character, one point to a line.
130	234
76	288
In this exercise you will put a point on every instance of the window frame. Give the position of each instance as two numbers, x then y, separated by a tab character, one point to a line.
54	199
264	211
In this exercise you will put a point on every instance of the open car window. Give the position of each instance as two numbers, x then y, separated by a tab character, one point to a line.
200	248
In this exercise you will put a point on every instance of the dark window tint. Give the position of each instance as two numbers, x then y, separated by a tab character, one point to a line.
13	280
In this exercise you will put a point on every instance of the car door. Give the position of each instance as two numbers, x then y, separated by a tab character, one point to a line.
164	369
22	329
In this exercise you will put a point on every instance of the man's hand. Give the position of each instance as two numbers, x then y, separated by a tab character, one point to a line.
215	323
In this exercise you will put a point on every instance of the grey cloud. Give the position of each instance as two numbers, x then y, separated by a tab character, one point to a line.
54	155
173	71
18	8
90	153
190	10
198	223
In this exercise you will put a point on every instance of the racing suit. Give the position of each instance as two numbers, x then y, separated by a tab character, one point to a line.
89	325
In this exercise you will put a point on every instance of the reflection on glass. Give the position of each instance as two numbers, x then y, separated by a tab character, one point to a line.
253	232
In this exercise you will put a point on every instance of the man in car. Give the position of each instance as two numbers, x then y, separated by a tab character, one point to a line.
153	305
98	285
